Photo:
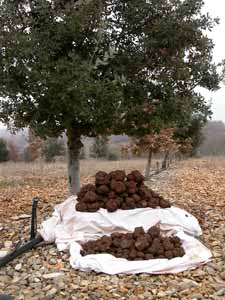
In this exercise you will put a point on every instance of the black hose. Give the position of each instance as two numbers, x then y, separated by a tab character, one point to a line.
20	250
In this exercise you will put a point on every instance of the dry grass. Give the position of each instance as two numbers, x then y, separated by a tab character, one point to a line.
17	172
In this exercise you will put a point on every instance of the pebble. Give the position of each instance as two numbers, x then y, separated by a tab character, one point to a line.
197	296
210	271
187	284
219	286
52	261
216	254
53	275
8	244
199	273
18	267
221	292
166	294
222	275
51	294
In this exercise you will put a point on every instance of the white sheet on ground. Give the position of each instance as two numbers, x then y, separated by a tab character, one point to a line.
67	224
68	227
195	255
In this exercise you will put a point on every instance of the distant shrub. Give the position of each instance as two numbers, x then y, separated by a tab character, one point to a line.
112	156
4	152
99	148
51	148
82	153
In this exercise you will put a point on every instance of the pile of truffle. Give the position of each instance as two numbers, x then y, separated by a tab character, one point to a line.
117	190
139	245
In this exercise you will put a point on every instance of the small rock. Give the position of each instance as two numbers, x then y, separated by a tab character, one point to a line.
216	254
166	294
18	267
197	296
52	261
20	217
221	292
53	275
219	286
199	273
215	243
210	271
222	275
5	279
51	294
8	244
187	284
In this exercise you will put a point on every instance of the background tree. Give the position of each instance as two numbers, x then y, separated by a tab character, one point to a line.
4	153
99	148
51	148
192	133
13	151
33	149
101	67
153	143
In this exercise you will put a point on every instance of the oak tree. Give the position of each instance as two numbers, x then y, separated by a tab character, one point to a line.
94	67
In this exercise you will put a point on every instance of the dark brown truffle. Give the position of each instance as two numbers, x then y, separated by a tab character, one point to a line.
80	206
138	231
134	246
101	178
119	187
102	189
112	195
116	191
117	175
164	203
90	197
138	176
154	231
111	205
141	243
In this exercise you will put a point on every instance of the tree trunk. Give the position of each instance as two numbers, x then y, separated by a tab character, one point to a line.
148	167
164	162
74	145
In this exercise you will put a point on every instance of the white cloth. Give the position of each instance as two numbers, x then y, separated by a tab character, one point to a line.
195	255
68	227
67	224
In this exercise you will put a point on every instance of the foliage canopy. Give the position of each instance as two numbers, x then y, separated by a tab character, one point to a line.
102	66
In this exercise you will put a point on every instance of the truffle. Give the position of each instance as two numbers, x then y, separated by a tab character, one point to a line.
111	205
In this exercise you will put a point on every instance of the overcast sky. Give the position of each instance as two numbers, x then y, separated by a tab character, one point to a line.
216	8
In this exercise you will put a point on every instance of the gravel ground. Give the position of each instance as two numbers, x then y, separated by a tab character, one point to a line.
43	273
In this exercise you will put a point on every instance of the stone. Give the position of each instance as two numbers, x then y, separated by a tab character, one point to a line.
199	273
18	267
8	244
166	293
219	286
221	292
210	271
53	275
216	254
51	294
52	261
187	284
20	217
197	296
222	275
